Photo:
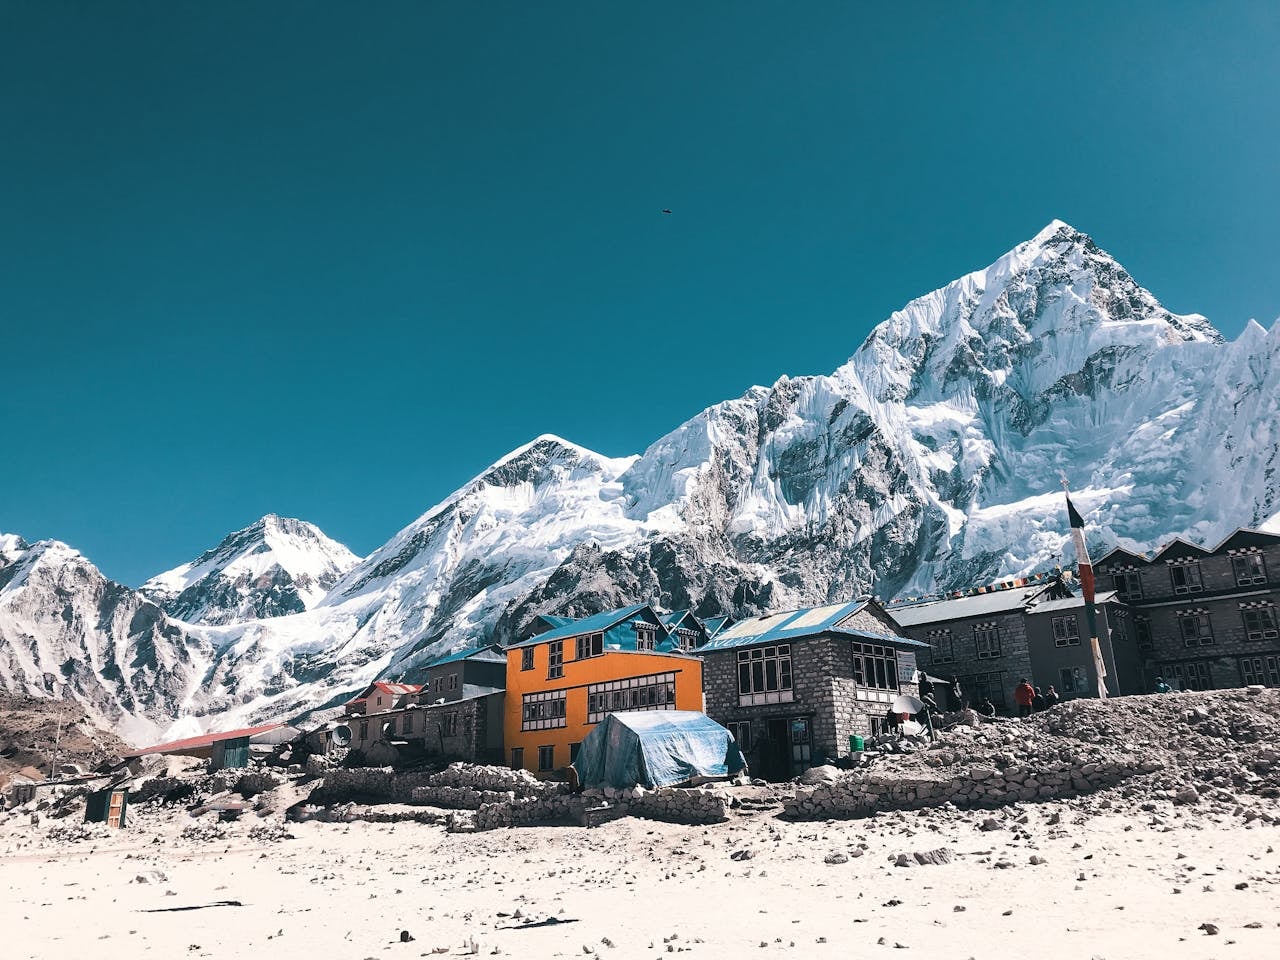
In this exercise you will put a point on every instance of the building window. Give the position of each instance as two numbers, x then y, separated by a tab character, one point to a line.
555	659
1260	670
686	638
542	711
1249	569
406	725
590	645
986	639
1196	629
449	725
517	758
573	751
364	729
764	675
1128	584
526	658
453	681
1073	679
1189	675
466	726
944	648
875	666
742	733
1066	631
654	692
1260	622
546	758
646	636
1142	629
1186	577
438	684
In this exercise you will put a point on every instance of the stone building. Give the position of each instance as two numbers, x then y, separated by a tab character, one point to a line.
990	640
794	686
981	639
464	674
469	728
1203	618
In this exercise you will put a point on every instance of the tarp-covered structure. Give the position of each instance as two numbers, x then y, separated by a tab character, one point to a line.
656	748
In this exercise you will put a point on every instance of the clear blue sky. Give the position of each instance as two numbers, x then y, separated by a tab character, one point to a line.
330	260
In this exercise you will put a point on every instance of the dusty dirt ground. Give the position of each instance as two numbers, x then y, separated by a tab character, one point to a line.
1115	883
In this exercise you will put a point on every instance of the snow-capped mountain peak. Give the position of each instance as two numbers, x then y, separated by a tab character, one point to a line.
275	566
930	460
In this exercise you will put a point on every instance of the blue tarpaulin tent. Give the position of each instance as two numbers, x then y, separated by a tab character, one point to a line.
656	748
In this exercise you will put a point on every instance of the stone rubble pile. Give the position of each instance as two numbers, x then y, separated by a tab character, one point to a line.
1172	746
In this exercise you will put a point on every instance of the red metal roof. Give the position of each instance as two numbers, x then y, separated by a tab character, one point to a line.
204	740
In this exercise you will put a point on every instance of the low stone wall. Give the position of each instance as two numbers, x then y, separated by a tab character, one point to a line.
458	798
460	786
672	805
681	806
860	795
372	783
513	798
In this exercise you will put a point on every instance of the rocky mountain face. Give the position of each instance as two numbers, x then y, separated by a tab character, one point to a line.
67	631
274	567
931	460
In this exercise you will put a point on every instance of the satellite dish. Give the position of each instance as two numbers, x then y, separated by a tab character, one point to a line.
905	703
341	735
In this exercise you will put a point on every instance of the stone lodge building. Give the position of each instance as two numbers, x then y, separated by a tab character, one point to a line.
989	640
793	687
1203	618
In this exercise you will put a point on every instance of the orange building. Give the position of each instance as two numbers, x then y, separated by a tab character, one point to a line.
563	682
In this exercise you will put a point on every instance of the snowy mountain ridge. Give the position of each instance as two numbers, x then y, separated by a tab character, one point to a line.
273	567
931	459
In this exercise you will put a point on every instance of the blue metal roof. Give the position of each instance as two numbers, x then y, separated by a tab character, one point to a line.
596	623
798	624
554	620
496	656
714	624
672	619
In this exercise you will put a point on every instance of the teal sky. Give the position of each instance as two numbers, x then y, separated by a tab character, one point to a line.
330	260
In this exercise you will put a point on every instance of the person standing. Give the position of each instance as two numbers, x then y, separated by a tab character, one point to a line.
955	696
1051	697
1162	687
1024	695
1037	701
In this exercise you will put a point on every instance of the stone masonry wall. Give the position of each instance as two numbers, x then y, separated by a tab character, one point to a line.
861	795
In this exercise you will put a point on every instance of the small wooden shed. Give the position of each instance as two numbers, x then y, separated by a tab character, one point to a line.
107	806
231	753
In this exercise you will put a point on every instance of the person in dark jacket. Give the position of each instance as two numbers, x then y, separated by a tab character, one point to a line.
1037	701
1051	698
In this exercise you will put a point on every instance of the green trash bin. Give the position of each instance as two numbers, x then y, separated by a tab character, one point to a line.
856	743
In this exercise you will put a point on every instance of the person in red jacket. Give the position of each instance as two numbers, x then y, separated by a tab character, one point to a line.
1024	695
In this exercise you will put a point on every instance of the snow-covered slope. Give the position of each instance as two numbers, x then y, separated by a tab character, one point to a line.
273	567
930	460
68	631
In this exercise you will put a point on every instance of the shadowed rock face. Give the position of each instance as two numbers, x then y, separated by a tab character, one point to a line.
930	460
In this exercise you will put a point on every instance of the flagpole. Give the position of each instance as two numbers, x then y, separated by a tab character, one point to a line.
1086	588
